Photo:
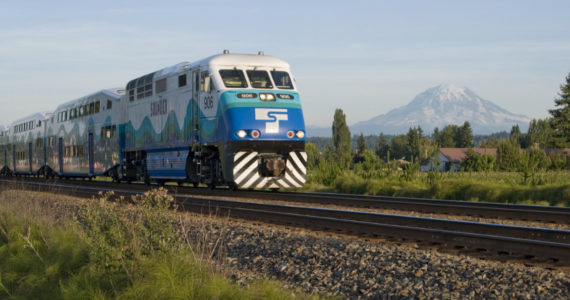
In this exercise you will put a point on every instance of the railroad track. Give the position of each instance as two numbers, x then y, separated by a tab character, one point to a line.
552	246
546	214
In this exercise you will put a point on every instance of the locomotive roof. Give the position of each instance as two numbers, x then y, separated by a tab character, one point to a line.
248	60
114	93
36	116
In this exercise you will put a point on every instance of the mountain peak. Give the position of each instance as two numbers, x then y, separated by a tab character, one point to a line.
443	105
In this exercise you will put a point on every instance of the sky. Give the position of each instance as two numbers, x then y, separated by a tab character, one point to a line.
365	57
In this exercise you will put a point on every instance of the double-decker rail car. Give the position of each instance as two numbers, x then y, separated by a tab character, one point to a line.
229	119
27	153
82	139
3	150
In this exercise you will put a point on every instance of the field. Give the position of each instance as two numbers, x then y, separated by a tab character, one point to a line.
67	248
542	188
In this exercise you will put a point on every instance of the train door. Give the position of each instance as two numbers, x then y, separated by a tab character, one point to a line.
90	154
14	157
208	103
60	155
30	154
195	106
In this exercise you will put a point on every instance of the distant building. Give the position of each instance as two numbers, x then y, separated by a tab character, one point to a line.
450	158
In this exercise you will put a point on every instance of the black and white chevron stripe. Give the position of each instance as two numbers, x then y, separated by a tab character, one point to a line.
246	174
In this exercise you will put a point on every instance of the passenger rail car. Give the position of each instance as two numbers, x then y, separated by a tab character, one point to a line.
230	119
25	152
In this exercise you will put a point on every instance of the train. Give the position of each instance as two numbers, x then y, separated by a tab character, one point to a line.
227	120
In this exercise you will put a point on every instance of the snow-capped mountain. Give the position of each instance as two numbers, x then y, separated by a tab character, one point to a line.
443	105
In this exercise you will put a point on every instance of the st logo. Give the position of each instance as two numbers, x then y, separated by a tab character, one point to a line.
272	116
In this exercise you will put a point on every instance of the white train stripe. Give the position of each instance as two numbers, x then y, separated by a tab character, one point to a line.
298	163
238	155
295	178
251	170
251	156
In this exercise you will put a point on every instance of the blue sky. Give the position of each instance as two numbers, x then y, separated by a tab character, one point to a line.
366	57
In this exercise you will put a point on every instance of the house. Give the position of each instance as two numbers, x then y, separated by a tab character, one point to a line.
450	158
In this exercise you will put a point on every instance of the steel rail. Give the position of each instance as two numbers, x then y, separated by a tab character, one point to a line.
548	214
529	241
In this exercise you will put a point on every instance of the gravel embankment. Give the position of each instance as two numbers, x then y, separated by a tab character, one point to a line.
356	268
348	267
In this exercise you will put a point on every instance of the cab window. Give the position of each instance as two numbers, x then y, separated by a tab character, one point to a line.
259	79
282	80
233	78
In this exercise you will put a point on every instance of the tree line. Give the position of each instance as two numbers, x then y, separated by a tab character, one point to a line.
552	132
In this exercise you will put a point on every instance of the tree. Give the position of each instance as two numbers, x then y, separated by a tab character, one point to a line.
446	137
516	133
361	145
464	136
539	133
414	143
382	147
508	155
399	146
313	155
561	116
341	138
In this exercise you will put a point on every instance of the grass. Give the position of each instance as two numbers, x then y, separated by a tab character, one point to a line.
546	188
73	249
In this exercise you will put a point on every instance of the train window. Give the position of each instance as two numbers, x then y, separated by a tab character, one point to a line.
160	85
203	77
39	143
97	106
132	95
91	108
72	114
259	79
65	115
25	126
109	104
114	131
182	80
81	111
233	78
282	80
86	109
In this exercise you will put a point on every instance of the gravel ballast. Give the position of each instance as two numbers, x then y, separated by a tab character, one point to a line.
345	266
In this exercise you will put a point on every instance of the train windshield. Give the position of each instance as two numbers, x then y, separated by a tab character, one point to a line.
233	78
259	79
282	80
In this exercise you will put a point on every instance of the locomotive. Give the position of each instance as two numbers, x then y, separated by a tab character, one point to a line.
229	119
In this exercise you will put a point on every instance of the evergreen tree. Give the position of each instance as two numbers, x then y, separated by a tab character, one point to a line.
539	134
561	116
508	155
414	143
361	145
464	136
341	138
399	147
516	134
382	146
446	137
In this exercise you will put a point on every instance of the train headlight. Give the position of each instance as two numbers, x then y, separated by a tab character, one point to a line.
290	134
266	97
241	133
255	134
300	134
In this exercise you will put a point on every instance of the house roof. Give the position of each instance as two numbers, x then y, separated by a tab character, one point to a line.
456	155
